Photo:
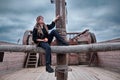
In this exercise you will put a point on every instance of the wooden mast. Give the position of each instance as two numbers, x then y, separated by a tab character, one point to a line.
62	62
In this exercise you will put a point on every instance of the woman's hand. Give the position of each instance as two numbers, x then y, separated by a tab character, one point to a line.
46	40
39	40
57	18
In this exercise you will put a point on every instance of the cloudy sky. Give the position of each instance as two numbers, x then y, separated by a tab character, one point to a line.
99	16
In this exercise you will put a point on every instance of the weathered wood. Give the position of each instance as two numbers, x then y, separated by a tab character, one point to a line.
63	49
81	72
61	27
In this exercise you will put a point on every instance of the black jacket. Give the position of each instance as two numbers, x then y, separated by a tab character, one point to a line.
35	36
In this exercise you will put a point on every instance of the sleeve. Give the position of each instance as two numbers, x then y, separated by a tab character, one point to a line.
34	35
51	26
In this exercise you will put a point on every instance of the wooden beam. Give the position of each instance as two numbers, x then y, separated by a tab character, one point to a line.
98	47
61	74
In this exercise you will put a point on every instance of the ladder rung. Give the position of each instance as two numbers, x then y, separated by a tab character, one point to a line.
31	61
33	55
31	64
32	58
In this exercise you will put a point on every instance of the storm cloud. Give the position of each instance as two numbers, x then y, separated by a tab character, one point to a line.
99	16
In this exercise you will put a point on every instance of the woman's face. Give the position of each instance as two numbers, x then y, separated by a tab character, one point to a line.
41	20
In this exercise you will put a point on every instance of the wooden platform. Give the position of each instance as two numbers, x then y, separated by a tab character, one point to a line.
77	73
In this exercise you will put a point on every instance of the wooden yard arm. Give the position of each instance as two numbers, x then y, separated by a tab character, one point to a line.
98	47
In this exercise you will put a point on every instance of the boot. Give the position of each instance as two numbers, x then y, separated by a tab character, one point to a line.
49	69
63	43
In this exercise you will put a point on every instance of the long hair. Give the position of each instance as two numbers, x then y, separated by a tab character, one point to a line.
38	27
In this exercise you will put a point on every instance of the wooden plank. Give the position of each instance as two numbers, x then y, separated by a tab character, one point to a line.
77	73
24	74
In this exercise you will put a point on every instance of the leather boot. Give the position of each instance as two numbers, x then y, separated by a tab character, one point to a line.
49	69
63	43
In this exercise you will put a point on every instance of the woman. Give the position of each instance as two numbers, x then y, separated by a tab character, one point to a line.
43	39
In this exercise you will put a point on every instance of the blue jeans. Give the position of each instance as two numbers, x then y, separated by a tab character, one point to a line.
47	49
46	45
60	40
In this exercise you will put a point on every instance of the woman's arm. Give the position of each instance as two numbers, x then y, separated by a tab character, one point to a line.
43	40
56	19
52	25
34	35
39	40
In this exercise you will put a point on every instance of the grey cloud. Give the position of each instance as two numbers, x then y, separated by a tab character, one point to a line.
17	16
11	34
24	6
100	16
108	33
81	4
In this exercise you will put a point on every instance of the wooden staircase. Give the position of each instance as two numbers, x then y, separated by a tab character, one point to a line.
32	60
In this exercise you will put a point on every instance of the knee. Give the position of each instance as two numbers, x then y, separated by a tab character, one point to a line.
54	32
48	48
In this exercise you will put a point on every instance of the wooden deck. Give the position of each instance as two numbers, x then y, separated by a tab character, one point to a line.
78	73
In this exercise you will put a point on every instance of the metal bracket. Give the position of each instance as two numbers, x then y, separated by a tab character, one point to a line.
62	69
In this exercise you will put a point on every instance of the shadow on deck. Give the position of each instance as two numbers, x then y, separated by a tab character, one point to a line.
78	73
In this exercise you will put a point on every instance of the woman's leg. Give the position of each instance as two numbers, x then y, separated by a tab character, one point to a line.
54	33
47	48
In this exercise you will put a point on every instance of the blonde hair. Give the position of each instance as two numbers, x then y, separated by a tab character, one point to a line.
38	27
